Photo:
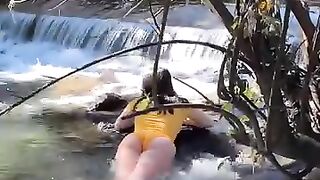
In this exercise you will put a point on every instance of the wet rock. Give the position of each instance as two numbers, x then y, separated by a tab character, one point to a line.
193	142
111	102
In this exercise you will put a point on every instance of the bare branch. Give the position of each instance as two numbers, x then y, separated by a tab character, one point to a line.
299	46
205	97
154	17
221	88
158	53
133	8
254	106
232	119
176	106
158	12
58	5
214	108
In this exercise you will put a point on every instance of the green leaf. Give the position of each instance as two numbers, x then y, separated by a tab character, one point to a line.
227	106
236	23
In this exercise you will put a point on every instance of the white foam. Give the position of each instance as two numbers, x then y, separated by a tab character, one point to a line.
207	168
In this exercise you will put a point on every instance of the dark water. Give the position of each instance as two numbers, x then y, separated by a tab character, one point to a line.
52	146
45	144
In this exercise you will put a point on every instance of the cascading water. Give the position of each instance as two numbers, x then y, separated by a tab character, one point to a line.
55	146
105	35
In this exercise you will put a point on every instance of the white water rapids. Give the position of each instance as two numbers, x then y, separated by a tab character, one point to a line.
33	49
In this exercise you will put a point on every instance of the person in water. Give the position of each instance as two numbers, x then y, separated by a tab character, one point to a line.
149	151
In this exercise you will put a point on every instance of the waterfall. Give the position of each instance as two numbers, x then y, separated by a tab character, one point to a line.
109	35
15	26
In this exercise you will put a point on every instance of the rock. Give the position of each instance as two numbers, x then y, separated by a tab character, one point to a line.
193	142
112	102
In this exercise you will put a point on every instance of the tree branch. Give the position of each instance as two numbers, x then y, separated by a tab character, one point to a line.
158	53
231	118
154	17
254	106
205	97
58	5
168	106
133	8
228	21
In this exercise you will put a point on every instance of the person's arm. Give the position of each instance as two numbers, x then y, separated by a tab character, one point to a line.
124	123
199	118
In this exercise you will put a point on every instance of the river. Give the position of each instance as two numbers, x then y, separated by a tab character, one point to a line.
43	139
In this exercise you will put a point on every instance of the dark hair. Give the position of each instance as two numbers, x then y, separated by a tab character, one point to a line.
164	84
165	92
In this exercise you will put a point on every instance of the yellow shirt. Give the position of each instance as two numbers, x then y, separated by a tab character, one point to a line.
167	124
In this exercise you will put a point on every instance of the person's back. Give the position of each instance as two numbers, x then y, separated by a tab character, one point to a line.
154	133
160	123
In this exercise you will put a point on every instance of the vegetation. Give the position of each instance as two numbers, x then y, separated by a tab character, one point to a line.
290	92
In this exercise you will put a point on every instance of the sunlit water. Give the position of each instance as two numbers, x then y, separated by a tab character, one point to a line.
41	139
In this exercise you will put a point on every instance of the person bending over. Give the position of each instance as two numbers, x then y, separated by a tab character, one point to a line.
149	151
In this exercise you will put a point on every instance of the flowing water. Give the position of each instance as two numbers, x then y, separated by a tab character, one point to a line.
42	139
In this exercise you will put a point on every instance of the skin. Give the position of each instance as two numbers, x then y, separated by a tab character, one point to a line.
134	164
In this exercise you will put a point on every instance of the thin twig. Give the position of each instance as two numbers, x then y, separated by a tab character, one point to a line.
254	106
154	28
158	12
232	119
299	46
175	106
205	97
133	8
58	5
222	49
49	77
158	53
154	17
